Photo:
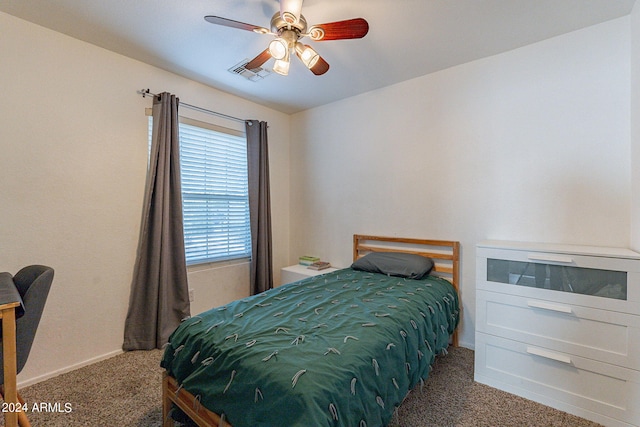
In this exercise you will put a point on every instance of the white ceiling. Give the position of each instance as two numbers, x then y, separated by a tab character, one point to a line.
407	38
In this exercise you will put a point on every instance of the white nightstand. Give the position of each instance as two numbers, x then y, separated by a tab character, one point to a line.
297	272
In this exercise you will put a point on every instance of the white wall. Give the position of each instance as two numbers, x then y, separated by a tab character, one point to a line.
73	154
635	127
532	144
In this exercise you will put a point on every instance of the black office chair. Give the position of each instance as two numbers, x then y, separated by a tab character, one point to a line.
33	284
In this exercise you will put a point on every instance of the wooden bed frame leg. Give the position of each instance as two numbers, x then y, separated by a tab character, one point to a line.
23	421
167	421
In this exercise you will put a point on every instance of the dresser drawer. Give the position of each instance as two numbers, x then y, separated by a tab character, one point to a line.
607	336
599	391
599	281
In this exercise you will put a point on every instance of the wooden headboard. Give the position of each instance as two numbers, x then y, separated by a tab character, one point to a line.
445	255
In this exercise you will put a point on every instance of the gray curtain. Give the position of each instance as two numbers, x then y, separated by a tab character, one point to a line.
259	206
159	297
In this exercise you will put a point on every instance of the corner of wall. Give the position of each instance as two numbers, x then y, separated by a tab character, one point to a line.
634	99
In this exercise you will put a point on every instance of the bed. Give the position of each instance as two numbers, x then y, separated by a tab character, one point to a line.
339	349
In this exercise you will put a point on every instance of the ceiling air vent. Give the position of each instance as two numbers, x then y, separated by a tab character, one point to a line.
254	75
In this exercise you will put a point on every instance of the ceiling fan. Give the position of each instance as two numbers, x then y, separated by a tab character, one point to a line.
289	26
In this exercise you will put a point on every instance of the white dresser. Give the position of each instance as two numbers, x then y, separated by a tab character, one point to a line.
560	325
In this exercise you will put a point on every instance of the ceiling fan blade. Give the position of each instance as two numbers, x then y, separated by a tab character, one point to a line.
235	24
256	62
349	29
320	67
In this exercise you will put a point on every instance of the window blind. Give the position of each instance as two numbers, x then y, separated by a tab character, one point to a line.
215	198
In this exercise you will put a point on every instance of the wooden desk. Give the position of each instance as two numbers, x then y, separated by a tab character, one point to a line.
10	301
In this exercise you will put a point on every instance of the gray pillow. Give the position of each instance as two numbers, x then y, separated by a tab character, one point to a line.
411	266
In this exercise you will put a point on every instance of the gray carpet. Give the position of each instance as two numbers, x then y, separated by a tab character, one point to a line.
126	391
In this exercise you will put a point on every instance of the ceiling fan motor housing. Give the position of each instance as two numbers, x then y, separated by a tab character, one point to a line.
279	25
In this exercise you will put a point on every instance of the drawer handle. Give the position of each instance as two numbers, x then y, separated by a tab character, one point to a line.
551	258
549	355
549	306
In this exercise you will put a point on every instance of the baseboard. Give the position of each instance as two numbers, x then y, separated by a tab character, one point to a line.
82	364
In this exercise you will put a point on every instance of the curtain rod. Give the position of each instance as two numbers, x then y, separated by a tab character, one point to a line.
145	92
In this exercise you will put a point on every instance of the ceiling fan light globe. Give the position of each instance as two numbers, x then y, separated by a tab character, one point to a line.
278	48
312	61
281	67
307	55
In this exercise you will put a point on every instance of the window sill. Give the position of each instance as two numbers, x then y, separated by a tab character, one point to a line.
217	264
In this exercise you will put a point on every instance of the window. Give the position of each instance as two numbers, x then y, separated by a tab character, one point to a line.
215	196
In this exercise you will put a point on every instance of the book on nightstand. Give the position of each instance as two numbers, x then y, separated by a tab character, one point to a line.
319	265
307	260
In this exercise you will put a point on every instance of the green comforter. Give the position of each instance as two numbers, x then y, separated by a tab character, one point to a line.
341	349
